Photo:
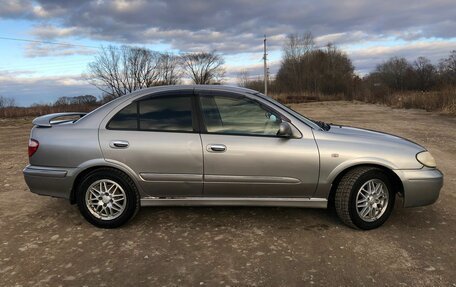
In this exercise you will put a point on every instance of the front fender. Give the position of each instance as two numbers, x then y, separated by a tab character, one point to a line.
358	161
329	173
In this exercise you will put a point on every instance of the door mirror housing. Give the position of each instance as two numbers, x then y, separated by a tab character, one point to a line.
285	130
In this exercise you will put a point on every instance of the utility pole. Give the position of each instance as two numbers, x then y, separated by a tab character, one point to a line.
265	68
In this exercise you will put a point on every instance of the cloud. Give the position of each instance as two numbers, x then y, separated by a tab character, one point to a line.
237	25
253	71
366	59
24	88
33	50
49	32
13	9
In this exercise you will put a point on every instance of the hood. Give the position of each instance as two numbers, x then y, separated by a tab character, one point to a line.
371	136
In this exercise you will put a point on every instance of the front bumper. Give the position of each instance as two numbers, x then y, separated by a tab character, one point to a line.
54	182
421	186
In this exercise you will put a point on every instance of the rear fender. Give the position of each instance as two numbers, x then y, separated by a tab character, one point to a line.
88	166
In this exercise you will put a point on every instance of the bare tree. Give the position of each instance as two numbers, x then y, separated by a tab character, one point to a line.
169	69
447	69
119	71
306	69
63	101
79	100
394	72
243	78
425	73
297	45
295	61
86	100
6	102
203	67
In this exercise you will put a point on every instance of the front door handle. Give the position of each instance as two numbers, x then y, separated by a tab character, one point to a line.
119	144
216	148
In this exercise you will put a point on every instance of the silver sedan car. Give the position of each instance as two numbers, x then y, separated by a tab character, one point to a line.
219	145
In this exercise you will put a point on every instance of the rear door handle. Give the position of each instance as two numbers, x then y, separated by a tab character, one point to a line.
119	144
216	148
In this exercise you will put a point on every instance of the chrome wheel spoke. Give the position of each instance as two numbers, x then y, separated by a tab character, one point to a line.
118	195
372	213
117	205
115	208
365	210
106	199
364	193
362	204
372	200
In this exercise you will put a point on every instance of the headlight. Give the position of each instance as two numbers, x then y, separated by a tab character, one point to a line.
426	159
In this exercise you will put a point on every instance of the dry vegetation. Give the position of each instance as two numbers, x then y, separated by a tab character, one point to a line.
443	101
433	101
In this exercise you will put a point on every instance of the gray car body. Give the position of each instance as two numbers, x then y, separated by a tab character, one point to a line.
171	168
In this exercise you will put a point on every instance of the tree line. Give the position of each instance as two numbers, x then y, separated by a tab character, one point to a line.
398	74
311	73
307	70
82	103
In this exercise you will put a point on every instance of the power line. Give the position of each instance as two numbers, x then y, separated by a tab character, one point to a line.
47	66
44	65
48	42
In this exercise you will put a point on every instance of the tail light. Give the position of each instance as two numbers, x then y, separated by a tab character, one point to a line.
32	146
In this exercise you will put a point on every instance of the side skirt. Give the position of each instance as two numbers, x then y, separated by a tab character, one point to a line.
235	201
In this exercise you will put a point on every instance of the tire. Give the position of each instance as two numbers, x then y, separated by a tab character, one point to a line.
107	198
353	189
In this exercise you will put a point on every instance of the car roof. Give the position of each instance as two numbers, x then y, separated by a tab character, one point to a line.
193	87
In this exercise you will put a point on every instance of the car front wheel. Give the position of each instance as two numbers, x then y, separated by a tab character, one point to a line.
364	198
107	198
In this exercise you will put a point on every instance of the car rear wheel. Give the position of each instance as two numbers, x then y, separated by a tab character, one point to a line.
107	198
364	198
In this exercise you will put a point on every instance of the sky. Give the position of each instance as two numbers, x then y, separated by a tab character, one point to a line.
369	31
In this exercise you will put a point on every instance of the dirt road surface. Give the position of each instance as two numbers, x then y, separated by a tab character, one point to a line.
45	242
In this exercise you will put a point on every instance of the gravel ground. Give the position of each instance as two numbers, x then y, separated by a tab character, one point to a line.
45	242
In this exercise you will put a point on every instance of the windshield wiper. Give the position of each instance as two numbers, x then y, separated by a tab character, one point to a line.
323	125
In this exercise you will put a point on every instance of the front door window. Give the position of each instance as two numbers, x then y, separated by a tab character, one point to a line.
238	116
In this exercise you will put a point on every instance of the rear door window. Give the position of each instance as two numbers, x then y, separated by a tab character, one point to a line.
167	113
126	119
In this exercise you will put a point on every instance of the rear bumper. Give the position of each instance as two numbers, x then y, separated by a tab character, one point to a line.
421	186
54	182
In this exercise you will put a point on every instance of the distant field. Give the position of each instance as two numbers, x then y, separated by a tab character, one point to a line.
45	242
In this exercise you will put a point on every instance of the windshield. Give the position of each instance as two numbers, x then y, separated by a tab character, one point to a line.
300	117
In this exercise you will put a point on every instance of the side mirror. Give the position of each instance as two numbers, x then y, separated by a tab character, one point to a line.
285	130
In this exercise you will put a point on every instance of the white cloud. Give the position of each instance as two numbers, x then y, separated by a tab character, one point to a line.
366	59
47	31
33	50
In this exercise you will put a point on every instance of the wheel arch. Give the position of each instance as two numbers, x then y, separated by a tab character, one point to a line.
395	180
88	169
